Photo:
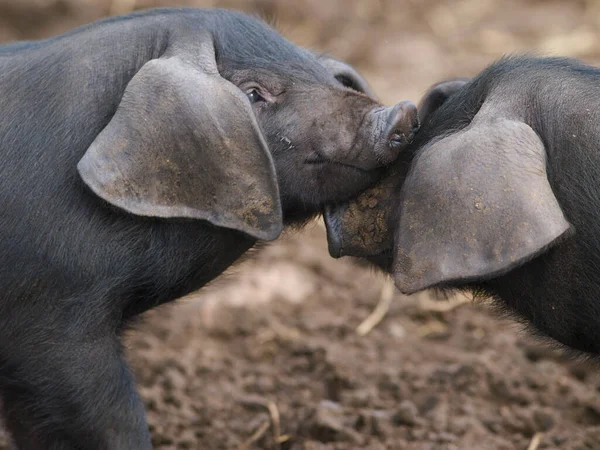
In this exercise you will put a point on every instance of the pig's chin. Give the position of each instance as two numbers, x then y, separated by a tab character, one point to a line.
314	188
332	216
337	183
306	189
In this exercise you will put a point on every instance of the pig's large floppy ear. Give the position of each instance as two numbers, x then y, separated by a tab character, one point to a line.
347	75
475	204
184	143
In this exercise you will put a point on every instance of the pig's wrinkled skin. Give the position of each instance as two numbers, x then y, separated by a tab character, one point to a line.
499	194
140	157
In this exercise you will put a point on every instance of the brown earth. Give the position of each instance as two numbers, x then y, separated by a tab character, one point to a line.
271	350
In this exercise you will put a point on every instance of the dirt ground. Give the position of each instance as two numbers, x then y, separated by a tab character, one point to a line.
269	357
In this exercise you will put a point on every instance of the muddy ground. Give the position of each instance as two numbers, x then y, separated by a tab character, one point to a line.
269	356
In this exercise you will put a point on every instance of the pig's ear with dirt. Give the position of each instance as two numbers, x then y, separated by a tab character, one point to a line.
184	143
475	205
436	95
347	75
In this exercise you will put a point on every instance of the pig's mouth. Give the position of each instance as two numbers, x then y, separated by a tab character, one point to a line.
319	160
333	223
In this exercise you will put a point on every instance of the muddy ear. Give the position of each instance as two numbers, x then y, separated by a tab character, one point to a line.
436	95
184	143
475	204
347	75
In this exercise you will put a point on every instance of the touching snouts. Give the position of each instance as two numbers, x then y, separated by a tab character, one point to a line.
399	125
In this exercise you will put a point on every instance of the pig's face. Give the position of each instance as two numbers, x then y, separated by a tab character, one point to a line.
329	137
467	201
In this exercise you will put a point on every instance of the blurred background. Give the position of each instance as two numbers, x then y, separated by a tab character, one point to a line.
275	354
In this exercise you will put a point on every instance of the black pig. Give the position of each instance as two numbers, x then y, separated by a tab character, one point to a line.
140	157
499	194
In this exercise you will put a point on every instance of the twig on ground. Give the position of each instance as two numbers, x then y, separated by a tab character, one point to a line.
274	413
385	300
253	401
260	432
444	306
433	328
535	441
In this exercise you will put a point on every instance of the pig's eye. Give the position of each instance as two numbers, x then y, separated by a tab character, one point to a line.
254	96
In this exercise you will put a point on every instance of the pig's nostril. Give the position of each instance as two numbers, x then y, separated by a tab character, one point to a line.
399	126
397	139
400	138
403	123
416	125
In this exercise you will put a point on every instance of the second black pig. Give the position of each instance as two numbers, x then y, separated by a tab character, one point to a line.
499	194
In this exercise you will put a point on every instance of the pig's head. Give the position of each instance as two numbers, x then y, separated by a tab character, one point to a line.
242	128
468	200
328	135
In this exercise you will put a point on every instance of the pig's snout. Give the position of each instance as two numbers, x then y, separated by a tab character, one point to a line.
403	123
399	125
381	135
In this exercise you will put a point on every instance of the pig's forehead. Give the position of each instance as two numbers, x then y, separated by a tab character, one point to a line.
250	44
245	39
292	67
